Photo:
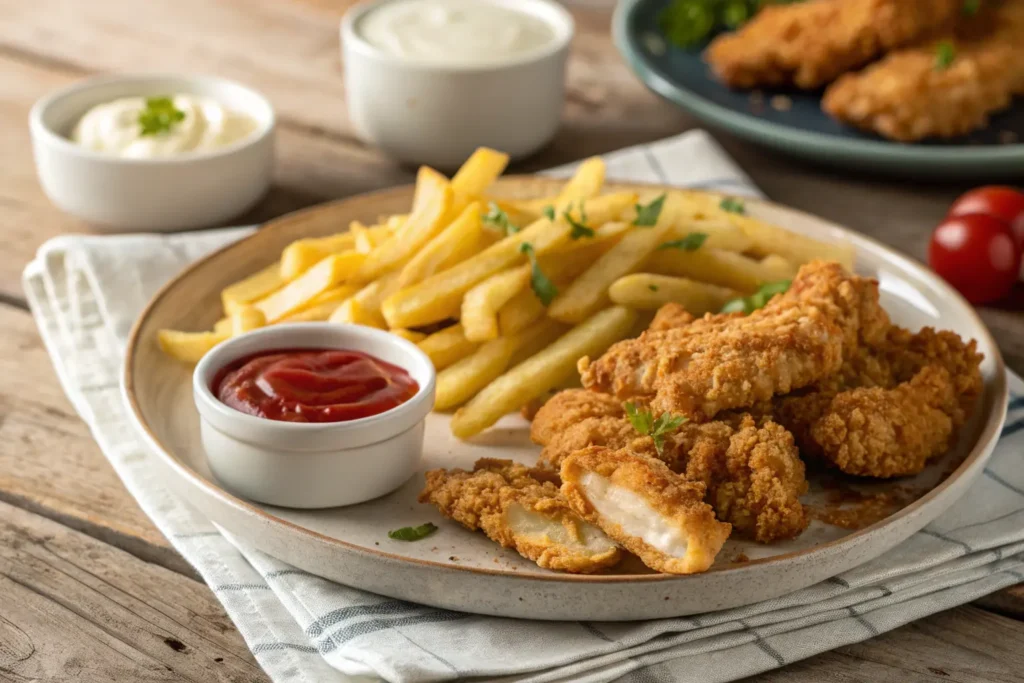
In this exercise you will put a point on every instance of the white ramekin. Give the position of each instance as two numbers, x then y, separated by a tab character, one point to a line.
193	190
437	114
305	465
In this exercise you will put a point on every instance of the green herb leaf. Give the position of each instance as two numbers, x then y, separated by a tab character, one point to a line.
653	288
686	23
758	299
579	227
549	212
691	242
647	216
732	205
646	425
159	116
970	7
542	286
498	218
413	533
945	53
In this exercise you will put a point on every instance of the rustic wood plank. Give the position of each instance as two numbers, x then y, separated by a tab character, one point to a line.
49	463
74	608
951	646
1009	602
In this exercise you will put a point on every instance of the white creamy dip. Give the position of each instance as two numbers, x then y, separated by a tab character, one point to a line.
455	32
204	125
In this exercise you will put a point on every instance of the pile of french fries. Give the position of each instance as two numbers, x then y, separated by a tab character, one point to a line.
505	296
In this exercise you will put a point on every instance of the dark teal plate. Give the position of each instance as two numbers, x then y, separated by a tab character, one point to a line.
804	130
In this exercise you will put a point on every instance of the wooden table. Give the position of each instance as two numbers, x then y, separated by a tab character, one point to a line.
89	589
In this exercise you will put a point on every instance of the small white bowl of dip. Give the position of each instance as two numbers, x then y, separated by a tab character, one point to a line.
429	81
154	153
312	464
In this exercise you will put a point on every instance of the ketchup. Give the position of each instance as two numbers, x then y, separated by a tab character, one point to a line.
313	385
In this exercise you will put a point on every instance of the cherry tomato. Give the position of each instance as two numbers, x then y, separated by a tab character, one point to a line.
1004	203
977	255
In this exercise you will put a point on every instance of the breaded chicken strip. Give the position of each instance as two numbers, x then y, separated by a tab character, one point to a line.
753	473
890	409
654	513
520	508
670	316
809	44
908	96
733	361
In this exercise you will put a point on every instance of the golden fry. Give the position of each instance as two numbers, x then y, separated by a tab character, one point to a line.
456	243
481	304
245	319
447	346
256	286
645	291
723	268
188	346
329	272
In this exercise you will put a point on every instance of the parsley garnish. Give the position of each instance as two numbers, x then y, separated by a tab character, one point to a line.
158	116
543	287
579	228
945	53
645	424
970	7
653	288
413	533
732	205
646	216
749	304
549	212
498	218
691	242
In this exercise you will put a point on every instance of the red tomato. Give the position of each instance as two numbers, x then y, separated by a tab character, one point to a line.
977	255
1004	203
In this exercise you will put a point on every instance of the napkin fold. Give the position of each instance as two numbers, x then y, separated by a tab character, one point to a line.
85	292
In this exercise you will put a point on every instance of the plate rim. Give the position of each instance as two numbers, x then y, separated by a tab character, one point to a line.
990	158
981	448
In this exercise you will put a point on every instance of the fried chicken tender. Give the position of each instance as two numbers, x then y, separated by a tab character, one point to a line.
753	473
811	43
907	97
733	361
654	513
670	316
521	508
890	409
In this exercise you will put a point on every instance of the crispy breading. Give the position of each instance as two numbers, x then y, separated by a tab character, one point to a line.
520	507
809	44
567	408
891	408
733	361
653	512
670	316
753	472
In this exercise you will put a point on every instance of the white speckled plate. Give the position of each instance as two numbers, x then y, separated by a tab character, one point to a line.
457	569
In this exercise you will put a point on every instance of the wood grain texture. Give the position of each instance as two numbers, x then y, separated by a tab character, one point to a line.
74	608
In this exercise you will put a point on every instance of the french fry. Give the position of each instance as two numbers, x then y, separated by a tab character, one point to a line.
371	296
223	326
542	371
188	346
245	319
301	255
723	268
431	204
256	286
584	184
645	291
589	292
321	306
456	242
720	233
481	304
351	312
459	382
366	238
605	234
531	207
409	335
447	346
520	312
329	272
475	175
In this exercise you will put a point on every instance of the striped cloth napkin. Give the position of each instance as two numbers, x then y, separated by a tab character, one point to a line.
85	293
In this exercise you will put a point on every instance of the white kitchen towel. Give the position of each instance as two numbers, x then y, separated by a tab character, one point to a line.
85	293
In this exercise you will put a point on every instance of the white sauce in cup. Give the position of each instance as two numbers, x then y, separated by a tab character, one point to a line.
205	125
455	32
